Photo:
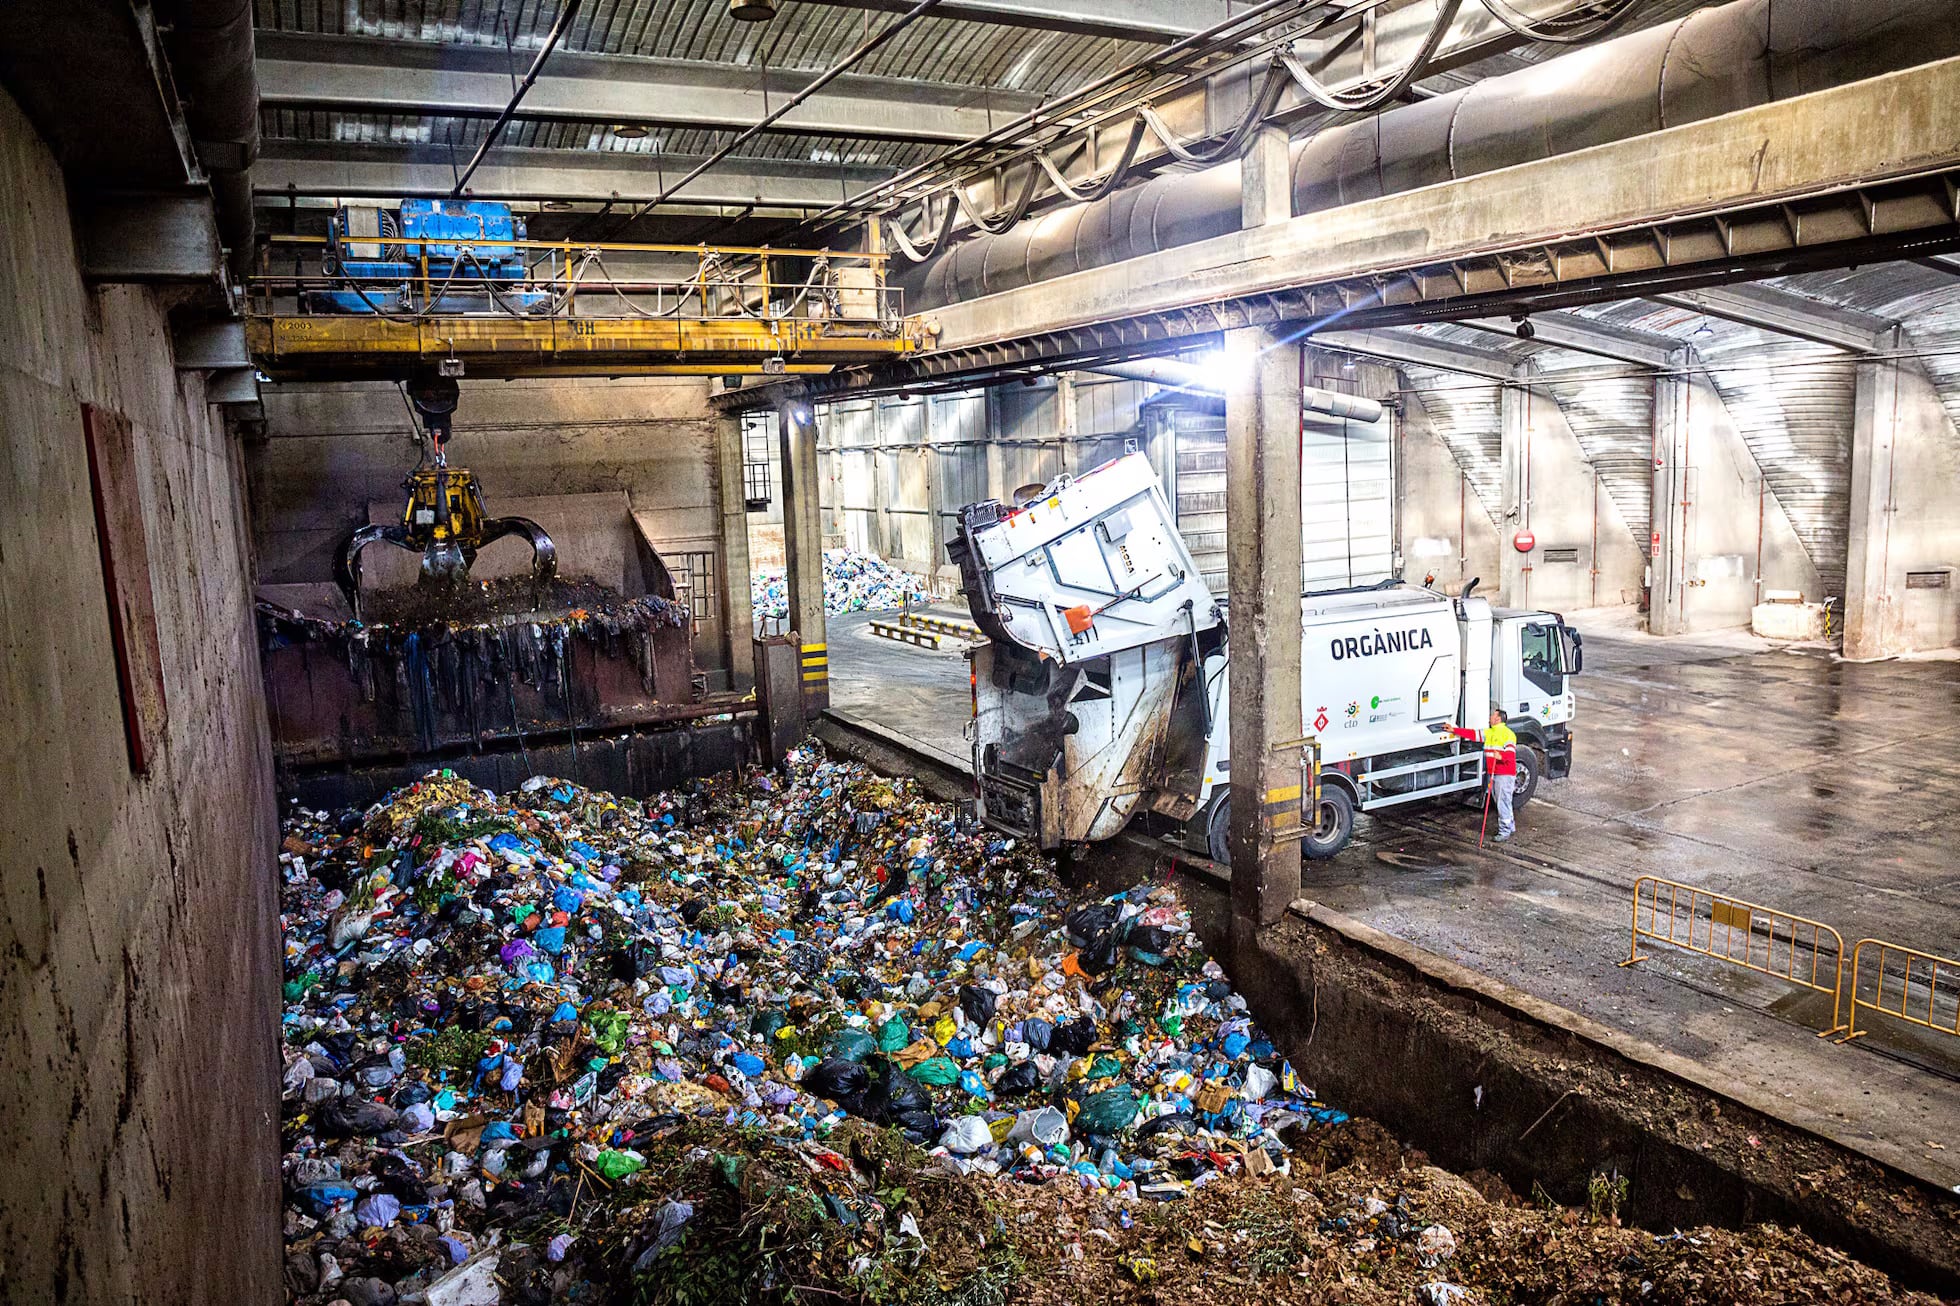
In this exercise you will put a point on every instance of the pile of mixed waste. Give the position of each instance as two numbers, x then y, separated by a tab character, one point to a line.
808	1036
852	582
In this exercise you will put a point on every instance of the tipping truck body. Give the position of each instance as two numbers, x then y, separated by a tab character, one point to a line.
1102	690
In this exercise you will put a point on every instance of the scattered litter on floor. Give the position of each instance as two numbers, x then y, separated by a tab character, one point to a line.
852	582
806	1036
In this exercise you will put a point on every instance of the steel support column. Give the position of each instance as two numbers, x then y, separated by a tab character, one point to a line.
737	614
1262	505
1873	616
1668	543
803	549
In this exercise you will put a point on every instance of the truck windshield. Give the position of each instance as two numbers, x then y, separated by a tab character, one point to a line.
1543	657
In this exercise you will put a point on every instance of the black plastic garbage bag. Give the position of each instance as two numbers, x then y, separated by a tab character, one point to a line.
1085	924
1018	1080
1073	1039
978	1003
843	1082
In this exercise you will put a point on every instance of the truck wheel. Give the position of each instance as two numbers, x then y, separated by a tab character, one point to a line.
1333	825
1218	829
1531	765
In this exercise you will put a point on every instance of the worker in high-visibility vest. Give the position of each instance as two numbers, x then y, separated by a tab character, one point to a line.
1500	766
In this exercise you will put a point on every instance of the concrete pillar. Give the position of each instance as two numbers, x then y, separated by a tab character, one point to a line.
1873	619
737	617
997	486
1266	179
803	550
1515	402
1667	544
1262	513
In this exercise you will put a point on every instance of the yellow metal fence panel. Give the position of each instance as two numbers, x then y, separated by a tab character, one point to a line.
1914	978
1770	942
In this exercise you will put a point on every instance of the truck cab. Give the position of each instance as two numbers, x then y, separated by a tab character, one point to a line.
1534	656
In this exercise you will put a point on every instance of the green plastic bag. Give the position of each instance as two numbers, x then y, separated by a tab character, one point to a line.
766	1023
852	1045
893	1035
1107	1111
617	1165
1105	1067
938	1071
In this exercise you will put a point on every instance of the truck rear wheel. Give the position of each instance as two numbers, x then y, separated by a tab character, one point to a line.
1333	825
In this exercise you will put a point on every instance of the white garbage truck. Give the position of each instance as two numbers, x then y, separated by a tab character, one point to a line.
1101	691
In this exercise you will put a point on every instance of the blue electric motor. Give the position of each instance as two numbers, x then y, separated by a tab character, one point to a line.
381	252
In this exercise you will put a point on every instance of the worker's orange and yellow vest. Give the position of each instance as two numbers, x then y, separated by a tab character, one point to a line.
1500	748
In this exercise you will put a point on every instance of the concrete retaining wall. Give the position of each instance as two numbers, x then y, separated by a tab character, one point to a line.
139	945
1484	1076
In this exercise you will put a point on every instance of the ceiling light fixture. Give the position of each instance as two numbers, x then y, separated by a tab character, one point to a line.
752	11
630	131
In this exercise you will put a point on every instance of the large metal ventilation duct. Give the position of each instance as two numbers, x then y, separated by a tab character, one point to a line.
1712	62
216	73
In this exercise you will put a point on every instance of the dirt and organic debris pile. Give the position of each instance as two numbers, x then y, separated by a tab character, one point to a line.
806	1036
852	582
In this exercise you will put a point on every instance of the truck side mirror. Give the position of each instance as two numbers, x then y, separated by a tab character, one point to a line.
1573	645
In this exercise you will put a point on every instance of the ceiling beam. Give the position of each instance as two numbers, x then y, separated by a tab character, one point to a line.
364	75
1577	334
1156	21
1779	311
398	172
1396	346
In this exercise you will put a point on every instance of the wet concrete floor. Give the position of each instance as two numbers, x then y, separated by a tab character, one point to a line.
1827	789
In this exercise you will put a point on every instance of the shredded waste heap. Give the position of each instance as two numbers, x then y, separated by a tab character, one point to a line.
804	1036
852	582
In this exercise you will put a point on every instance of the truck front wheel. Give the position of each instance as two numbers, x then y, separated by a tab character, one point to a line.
1531	766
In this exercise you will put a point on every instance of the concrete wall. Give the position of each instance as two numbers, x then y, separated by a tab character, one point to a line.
1903	580
1567	509
1445	528
1728	539
332	449
139	955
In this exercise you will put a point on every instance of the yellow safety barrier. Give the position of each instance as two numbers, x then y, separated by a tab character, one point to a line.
1908	1007
1712	924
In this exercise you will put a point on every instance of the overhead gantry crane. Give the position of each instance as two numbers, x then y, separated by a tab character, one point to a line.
453	286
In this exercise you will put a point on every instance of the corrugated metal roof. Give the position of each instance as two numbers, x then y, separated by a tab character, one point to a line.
802	36
320	125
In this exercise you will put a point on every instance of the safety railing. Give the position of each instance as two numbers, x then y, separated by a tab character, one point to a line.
414	278
1776	943
1940	1008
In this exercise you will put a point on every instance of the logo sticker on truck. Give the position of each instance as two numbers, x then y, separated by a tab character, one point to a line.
1374	642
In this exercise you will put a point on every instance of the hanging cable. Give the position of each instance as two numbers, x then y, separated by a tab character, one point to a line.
563	21
1578	29
1356	101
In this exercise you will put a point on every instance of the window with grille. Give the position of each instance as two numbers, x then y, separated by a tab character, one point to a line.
755	468
694	584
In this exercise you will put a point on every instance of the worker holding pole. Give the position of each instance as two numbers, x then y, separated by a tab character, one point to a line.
1500	766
